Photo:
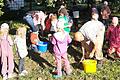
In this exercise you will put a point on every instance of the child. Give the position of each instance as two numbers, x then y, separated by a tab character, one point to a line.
20	41
53	23
34	40
39	21
60	41
64	20
113	36
6	52
105	14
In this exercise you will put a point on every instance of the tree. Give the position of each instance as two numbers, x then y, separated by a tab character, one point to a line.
1	6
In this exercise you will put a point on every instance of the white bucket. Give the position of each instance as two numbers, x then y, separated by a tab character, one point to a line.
76	14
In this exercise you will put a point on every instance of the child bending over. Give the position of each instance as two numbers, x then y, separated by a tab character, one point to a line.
34	40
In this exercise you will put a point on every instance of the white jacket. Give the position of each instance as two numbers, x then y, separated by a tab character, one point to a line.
21	46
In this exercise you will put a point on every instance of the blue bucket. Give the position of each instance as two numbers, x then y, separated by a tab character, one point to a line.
42	47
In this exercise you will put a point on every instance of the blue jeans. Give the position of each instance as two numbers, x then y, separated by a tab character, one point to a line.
34	48
28	18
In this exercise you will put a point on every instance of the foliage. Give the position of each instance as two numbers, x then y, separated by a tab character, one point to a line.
1	5
16	25
115	5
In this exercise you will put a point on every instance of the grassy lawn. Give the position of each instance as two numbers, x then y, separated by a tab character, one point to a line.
41	66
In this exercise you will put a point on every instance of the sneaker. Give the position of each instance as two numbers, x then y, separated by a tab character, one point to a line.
25	72
100	63
12	75
5	77
21	74
68	72
57	76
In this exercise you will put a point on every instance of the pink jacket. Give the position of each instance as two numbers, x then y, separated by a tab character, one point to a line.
39	18
6	47
60	45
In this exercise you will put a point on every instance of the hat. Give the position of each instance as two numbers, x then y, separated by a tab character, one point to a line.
62	6
94	10
4	25
105	3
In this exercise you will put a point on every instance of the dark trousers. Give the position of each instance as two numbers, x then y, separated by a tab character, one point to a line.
21	65
106	22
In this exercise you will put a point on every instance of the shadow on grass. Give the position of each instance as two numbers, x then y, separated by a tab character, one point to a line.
75	53
16	67
77	66
38	59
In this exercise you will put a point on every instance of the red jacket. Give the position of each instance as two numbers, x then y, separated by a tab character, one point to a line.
113	35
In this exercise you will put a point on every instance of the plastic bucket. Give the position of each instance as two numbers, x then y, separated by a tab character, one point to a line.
42	47
76	14
89	66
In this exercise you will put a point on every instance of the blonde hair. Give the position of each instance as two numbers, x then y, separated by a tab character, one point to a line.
21	30
0	33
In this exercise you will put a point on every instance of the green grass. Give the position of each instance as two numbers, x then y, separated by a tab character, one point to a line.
40	66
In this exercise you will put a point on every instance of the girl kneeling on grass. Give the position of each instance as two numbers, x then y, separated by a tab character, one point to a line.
6	52
20	41
60	41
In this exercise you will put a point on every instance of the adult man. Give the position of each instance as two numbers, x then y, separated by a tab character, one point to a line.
92	31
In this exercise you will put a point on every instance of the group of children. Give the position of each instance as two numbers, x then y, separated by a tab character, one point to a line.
60	38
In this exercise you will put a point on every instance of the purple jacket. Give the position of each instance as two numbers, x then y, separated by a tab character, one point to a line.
60	44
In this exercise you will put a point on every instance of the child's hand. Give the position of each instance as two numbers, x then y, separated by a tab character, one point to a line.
10	40
49	35
37	43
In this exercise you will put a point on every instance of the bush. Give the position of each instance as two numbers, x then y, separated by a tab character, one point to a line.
16	25
1	6
115	5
